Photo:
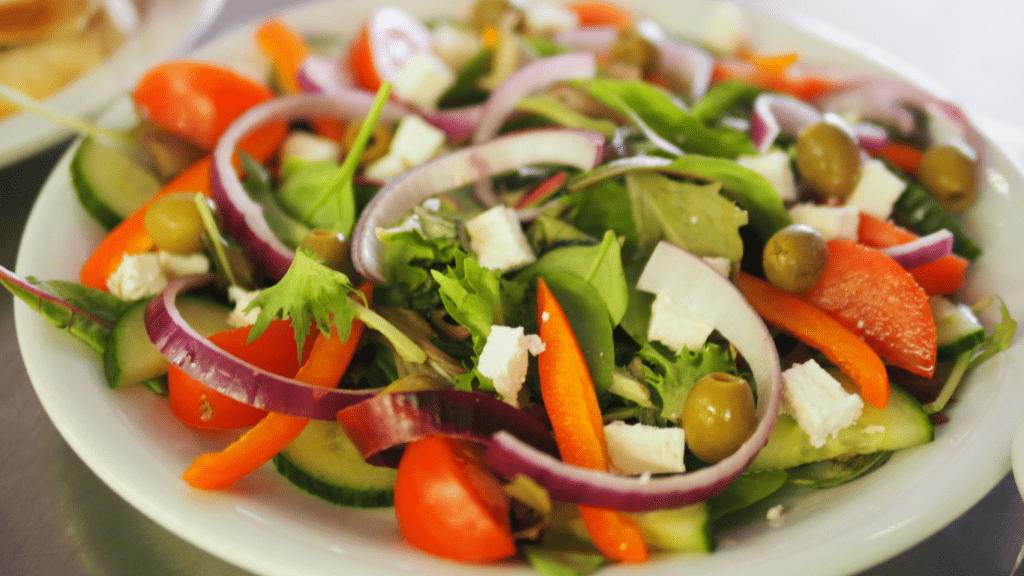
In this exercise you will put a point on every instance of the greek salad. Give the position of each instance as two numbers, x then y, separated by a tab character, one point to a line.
549	280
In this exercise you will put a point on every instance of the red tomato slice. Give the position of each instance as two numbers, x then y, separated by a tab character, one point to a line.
390	37
200	406
875	298
196	100
449	504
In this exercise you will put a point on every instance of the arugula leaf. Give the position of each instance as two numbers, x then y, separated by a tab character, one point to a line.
673	379
472	297
548	231
406	260
308	293
667	117
692	216
553	109
724	97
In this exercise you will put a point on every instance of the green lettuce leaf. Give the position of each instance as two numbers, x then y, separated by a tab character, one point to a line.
672	379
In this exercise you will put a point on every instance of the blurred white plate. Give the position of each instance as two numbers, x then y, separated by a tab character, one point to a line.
165	28
134	444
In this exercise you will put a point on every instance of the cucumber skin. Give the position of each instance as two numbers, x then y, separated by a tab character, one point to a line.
917	210
905	423
340	495
87	192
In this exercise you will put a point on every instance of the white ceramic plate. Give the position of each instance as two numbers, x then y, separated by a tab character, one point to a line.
166	27
135	445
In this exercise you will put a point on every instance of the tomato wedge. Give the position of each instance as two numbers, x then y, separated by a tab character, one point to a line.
388	39
200	406
875	298
449	504
196	100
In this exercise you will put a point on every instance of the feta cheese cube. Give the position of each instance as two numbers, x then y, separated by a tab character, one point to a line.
636	449
178	265
818	402
830	221
721	265
415	141
137	276
505	359
423	79
242	298
497	239
877	190
455	45
548	18
724	28
774	165
309	147
676	325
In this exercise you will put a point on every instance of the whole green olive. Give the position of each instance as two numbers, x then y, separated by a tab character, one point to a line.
794	258
828	159
331	249
377	146
718	416
948	173
174	224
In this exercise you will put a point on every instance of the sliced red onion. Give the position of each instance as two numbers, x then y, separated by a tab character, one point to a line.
776	114
203	360
457	123
579	148
688	64
392	420
322	74
533	77
598	39
870	137
690	281
243	218
923	250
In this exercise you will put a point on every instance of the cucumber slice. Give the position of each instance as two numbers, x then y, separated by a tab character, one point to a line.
130	356
901	424
917	210
686	529
110	185
956	327
325	463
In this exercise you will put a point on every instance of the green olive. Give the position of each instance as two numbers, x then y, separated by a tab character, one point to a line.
376	147
828	159
718	416
331	249
794	258
947	172
174	224
632	49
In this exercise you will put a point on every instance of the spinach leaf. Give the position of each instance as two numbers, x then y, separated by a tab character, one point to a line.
258	186
748	488
604	206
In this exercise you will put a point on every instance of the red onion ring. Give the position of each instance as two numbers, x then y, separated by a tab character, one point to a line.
776	114
580	148
457	123
203	360
923	250
535	76
387	421
243	218
321	74
690	280
597	39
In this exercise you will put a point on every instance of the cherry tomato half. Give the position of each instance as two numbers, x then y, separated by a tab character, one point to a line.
449	504
388	39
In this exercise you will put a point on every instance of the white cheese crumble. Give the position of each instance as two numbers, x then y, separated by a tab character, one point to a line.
455	45
178	265
775	516
676	325
505	359
721	265
415	141
818	402
309	147
137	276
877	190
547	18
497	239
830	221
423	79
774	165
242	298
636	449
725	28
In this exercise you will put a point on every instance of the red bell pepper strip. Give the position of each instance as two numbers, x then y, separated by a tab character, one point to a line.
906	158
571	404
875	298
327	363
820	331
601	13
943	276
776	74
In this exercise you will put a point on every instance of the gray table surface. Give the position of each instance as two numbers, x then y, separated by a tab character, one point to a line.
58	518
